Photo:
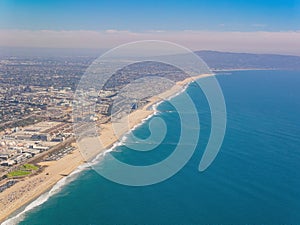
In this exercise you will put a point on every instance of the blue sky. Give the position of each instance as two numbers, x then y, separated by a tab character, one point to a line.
263	26
138	15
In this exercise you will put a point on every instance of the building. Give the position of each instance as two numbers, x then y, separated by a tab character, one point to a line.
4	156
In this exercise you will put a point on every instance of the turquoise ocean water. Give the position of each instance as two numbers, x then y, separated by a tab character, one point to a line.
255	178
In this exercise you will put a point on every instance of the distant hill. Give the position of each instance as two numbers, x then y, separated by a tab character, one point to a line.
216	60
227	60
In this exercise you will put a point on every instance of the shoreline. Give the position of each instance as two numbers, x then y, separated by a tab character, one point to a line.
28	189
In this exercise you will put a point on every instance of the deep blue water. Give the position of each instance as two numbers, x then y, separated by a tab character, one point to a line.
255	178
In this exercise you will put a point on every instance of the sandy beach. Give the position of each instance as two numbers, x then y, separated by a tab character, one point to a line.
29	188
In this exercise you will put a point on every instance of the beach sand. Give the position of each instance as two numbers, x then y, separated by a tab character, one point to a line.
29	188
32	187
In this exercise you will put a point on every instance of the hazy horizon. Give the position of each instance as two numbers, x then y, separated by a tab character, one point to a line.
96	52
270	27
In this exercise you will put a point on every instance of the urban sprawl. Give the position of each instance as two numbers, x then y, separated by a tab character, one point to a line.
36	99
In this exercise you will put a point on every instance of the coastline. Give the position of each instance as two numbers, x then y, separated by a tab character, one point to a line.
30	188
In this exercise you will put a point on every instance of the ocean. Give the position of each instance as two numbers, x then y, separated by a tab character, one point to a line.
255	178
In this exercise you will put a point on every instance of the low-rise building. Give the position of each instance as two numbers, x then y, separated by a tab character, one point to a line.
4	156
8	163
